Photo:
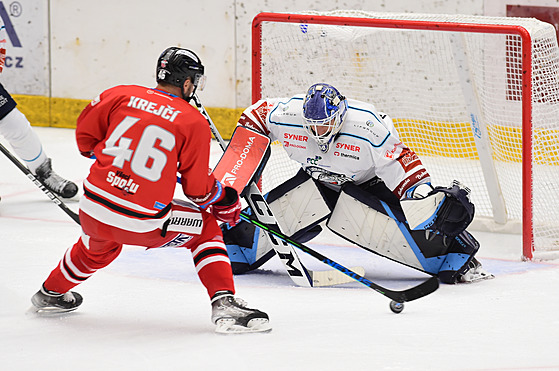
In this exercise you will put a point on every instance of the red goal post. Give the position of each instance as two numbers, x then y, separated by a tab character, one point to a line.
501	76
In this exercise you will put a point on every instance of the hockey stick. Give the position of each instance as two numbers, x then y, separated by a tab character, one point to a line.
298	273
400	296
36	181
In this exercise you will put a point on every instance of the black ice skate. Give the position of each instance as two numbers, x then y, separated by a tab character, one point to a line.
46	301
231	315
54	182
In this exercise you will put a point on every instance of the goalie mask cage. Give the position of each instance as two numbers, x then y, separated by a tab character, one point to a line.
476	97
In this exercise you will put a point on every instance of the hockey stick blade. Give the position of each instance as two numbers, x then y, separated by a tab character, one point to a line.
36	181
423	289
333	277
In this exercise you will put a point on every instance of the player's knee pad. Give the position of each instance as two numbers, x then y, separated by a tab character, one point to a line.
372	224
298	207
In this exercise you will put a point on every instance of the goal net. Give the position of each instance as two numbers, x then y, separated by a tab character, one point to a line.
477	98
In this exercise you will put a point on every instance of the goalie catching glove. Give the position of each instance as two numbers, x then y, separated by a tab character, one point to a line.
445	210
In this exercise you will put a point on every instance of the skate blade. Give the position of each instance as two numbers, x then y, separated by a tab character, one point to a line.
256	325
479	278
48	311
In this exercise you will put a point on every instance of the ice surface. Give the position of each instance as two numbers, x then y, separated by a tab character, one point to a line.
148	311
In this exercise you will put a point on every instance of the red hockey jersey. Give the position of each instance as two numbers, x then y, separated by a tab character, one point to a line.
141	138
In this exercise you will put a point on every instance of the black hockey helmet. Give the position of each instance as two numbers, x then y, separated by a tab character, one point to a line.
175	65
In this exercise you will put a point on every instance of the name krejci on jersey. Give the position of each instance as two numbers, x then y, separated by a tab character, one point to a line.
164	111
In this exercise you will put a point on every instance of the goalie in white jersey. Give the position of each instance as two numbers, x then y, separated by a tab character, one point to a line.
369	187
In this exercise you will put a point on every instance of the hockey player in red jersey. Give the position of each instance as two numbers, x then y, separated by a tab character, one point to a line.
141	138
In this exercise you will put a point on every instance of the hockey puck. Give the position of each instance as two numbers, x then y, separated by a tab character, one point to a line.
396	307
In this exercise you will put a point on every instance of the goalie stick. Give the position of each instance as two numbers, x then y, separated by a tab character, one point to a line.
399	296
36	181
298	273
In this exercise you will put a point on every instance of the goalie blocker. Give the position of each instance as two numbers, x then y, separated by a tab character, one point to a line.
243	160
368	215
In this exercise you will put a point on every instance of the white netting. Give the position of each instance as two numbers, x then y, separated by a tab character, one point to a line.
414	75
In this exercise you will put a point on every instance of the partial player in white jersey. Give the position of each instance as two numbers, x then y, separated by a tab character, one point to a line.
17	130
366	185
25	142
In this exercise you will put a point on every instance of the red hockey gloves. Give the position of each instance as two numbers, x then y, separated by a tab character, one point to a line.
228	210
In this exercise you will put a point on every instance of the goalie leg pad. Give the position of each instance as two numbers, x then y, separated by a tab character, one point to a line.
298	207
361	218
247	247
460	252
298	204
372	224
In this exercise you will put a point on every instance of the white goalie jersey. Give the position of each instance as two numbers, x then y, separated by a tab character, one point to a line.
367	145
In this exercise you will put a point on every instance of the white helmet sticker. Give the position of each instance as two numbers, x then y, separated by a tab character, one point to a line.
188	53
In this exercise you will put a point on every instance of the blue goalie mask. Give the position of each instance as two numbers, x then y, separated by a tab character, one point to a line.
324	110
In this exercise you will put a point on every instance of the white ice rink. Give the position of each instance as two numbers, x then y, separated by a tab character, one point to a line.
148	311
